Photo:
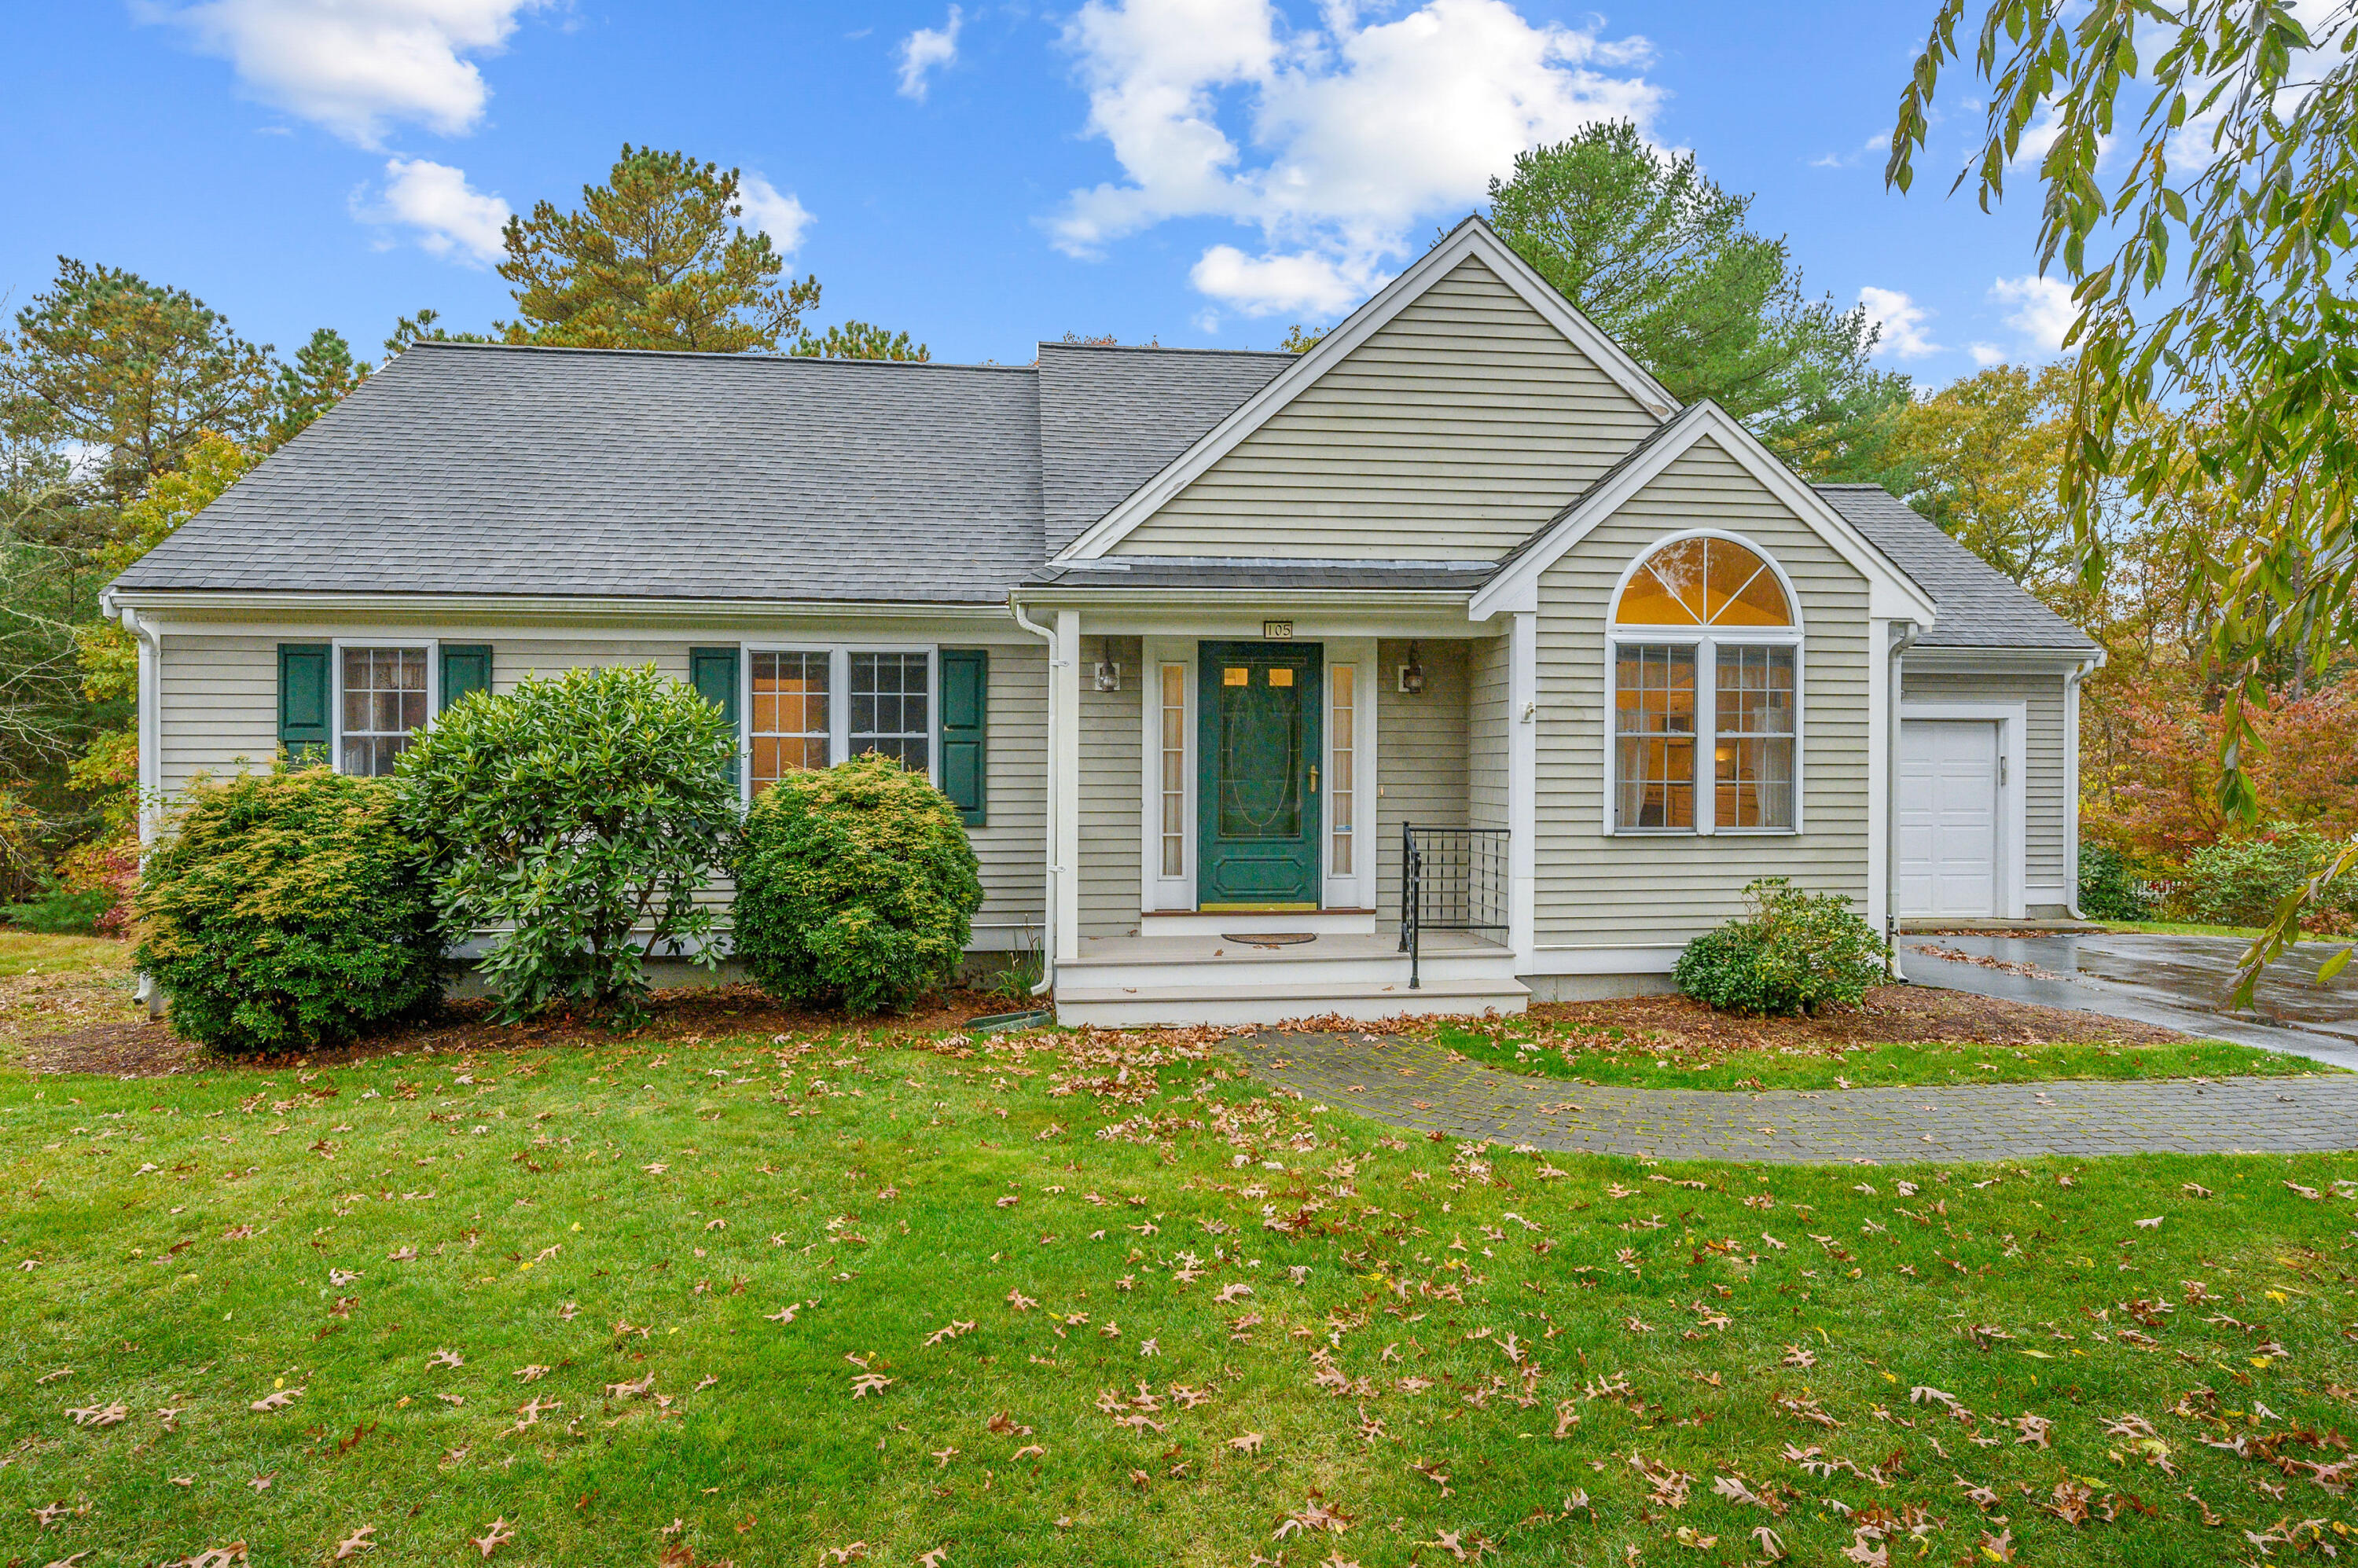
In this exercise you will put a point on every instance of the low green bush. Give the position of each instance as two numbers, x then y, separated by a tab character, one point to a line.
1796	952
856	887
2108	889
2240	882
578	819
285	911
60	912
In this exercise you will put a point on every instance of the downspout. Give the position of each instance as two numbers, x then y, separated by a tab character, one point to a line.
2081	672
1903	637
1048	856
150	738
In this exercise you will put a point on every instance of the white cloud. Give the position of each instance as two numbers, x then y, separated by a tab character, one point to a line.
1263	286
1902	320
1353	134
927	49
450	217
2043	308
777	213
356	66
1987	354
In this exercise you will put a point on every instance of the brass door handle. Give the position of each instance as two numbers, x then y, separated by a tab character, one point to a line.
1313	778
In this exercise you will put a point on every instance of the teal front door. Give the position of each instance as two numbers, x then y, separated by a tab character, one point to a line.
1257	792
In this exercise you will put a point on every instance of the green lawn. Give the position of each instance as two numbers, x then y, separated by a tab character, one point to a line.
1590	1054
809	1303
33	953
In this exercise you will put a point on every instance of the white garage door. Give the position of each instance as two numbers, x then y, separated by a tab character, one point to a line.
1948	817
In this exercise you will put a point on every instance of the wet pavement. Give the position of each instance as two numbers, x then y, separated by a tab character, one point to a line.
2177	982
1415	1084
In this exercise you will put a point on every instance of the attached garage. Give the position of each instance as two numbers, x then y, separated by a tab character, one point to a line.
1953	777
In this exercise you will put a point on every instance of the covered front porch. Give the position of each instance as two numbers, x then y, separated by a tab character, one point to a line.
1255	796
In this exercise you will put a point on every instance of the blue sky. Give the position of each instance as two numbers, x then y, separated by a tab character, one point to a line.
1203	172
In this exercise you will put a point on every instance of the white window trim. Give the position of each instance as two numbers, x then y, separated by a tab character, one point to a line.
1157	892
1705	640
838	700
1357	890
1177	895
2013	721
336	686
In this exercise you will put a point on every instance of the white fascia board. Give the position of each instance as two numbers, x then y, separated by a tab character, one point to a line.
1473	238
219	604
1949	659
1892	594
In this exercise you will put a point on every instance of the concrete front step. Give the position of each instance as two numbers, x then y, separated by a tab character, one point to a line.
1124	1007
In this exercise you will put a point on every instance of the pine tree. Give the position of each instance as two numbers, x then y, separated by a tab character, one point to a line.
322	373
655	259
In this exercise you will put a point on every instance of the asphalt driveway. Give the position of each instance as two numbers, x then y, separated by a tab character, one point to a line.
2178	982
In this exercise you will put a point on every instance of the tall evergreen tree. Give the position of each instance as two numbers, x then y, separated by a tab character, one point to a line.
1661	258
322	372
655	259
859	341
132	372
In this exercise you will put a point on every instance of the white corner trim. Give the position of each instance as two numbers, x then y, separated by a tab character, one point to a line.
2013	721
1471	238
1891	593
2071	900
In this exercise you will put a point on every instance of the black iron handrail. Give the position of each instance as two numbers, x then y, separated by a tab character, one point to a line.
1451	879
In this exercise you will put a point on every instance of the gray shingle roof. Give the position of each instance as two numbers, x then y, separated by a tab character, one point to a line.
493	470
1980	606
485	470
1234	573
1112	419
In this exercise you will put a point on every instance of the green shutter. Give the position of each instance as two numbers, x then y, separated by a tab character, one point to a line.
713	672
466	666
965	704
303	695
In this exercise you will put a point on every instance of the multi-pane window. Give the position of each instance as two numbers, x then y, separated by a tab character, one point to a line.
792	723
891	708
1654	735
1752	744
1716	621
1342	783
384	692
1174	769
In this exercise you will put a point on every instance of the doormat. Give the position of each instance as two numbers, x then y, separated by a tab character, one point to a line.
1270	938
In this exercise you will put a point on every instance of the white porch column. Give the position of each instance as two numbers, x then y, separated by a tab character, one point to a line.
1522	786
1065	849
150	722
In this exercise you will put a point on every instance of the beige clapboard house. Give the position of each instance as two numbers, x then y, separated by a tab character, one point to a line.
1446	665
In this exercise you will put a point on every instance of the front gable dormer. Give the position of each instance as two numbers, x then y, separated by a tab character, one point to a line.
1449	418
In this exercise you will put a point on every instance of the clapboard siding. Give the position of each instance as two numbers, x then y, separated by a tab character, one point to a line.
220	697
1455	430
1485	733
1596	890
1420	755
2046	876
1111	867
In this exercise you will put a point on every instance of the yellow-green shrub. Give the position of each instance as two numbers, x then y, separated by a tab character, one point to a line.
285	911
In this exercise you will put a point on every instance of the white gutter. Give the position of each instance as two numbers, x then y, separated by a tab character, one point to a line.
1048	916
2080	672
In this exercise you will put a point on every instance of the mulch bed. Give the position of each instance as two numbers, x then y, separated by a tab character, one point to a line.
1893	1015
689	1015
692	1015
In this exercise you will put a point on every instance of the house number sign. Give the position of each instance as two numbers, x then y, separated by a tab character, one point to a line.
1277	631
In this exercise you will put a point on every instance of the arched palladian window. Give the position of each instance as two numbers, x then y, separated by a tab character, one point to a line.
1706	663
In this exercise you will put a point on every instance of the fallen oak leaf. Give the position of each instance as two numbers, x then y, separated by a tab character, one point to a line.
278	1401
357	1543
491	1540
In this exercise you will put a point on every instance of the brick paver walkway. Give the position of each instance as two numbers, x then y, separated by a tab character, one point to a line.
1413	1082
